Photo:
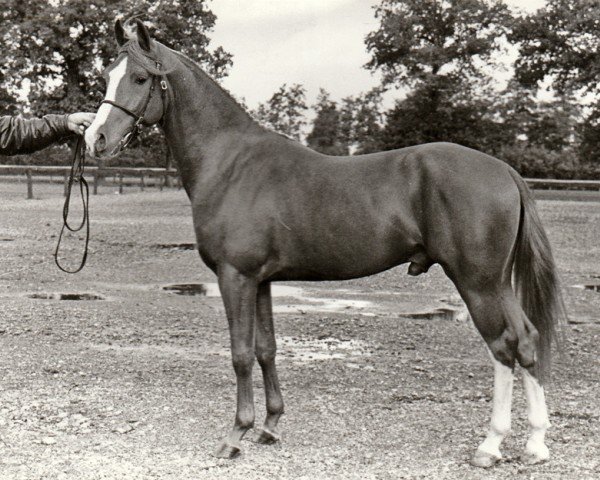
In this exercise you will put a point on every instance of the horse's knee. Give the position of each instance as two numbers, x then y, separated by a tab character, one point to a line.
242	362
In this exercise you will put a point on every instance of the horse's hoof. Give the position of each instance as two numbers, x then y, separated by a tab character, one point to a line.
535	453
484	459
227	451
534	458
267	437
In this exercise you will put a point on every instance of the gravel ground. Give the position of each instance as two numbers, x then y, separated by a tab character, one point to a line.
139	384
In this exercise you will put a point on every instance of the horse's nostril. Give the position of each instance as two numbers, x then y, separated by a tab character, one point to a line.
100	143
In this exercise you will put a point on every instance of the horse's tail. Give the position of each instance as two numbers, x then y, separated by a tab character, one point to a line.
536	279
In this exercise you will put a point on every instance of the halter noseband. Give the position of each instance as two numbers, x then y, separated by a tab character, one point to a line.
139	118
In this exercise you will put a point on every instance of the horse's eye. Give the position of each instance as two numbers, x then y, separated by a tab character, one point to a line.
140	80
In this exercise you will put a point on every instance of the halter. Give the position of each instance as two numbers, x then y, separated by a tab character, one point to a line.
139	118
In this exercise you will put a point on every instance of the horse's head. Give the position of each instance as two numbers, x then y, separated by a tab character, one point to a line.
135	93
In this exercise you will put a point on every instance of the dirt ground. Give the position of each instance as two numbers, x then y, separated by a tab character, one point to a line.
139	384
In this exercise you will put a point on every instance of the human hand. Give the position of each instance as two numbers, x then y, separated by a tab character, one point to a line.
78	122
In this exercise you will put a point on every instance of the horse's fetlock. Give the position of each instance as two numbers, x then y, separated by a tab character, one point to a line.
500	429
275	407
245	421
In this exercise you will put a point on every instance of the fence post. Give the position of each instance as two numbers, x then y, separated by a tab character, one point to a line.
178	182
160	183
29	184
120	183
142	182
95	190
66	184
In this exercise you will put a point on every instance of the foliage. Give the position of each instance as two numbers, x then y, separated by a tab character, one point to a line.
560	41
361	120
539	162
58	49
61	47
440	49
589	148
417	39
441	111
326	135
284	111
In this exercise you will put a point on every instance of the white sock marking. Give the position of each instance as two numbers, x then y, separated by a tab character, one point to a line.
502	402
114	79
537	414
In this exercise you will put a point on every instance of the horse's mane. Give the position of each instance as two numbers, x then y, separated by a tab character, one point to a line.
148	61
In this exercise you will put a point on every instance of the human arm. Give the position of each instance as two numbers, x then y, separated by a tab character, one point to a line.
19	135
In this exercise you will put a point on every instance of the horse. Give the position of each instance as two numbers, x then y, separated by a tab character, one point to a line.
267	208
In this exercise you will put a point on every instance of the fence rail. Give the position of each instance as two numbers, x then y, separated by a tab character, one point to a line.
122	175
162	177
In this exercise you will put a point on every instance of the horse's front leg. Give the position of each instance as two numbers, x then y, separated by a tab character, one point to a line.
239	296
266	349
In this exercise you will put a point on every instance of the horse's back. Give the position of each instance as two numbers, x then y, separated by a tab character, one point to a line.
311	216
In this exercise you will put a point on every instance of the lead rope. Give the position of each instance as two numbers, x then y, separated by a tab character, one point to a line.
76	176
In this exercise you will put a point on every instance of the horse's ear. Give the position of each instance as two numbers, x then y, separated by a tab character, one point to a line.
120	33
143	36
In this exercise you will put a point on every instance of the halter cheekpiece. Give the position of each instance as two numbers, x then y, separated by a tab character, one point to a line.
139	118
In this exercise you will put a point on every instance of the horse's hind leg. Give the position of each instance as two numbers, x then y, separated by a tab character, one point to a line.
502	323
265	353
488	452
239	297
536	450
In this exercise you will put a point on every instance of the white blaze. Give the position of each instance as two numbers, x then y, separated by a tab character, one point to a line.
114	79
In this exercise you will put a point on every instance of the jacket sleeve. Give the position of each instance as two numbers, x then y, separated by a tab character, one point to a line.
19	135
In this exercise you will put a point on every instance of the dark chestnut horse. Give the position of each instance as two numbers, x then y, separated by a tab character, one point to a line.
267	208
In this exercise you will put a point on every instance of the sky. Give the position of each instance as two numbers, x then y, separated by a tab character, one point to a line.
317	43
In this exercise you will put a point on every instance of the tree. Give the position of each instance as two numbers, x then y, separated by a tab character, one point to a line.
438	112
326	134
61	47
284	111
438	49
7	101
361	121
560	41
418	39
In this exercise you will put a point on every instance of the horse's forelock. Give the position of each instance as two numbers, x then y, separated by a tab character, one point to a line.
146	60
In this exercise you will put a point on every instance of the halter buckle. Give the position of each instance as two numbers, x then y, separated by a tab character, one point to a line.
163	84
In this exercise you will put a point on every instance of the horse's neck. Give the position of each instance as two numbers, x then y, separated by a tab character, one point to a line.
200	113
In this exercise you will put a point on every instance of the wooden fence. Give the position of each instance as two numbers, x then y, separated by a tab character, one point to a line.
160	177
121	176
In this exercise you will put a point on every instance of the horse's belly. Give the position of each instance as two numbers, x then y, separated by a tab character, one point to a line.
342	259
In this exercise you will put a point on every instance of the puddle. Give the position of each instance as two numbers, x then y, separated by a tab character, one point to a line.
324	305
187	289
301	301
305	303
212	290
66	296
437	314
593	287
176	246
309	349
7	239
